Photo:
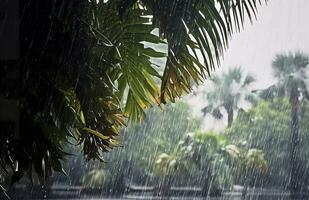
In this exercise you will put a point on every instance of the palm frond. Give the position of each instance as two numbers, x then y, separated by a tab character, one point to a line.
87	68
248	80
207	109
131	69
197	33
291	71
120	77
272	92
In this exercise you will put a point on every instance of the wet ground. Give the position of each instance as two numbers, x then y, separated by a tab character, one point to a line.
187	198
147	193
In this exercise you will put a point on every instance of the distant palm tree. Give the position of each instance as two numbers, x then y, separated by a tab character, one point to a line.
290	71
229	90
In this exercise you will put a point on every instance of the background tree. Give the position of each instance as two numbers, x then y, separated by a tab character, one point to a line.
291	73
229	91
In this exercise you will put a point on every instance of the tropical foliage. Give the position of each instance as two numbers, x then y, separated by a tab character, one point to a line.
267	127
206	152
84	69
212	162
253	151
169	149
135	162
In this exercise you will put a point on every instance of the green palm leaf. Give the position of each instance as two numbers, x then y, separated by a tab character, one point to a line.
197	33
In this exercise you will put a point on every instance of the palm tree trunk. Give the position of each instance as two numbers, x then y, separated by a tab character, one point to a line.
230	116
295	184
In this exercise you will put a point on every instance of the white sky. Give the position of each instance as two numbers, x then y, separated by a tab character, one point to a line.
282	26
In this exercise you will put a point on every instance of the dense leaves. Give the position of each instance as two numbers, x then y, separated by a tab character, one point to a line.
267	127
197	33
84	69
134	163
76	63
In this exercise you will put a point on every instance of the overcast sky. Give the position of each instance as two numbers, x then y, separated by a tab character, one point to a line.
282	26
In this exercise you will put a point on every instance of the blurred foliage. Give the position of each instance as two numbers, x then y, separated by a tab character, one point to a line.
217	162
160	132
95	178
206	153
254	160
267	127
291	73
134	163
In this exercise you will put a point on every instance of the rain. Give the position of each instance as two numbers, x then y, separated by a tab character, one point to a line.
154	100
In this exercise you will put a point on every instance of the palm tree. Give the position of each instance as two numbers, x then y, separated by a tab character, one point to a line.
229	90
291	73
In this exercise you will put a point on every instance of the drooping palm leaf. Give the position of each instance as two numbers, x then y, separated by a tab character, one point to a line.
289	69
197	32
133	73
